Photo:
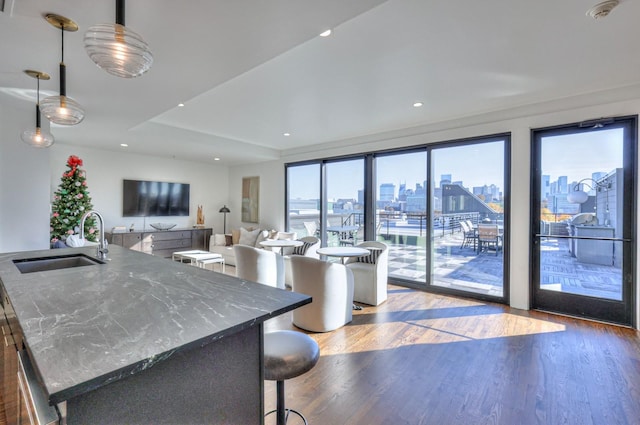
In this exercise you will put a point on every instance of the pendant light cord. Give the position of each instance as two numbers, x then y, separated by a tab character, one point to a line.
120	12
63	67
38	121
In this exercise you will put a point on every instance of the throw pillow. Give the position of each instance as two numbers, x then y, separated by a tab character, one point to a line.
219	240
302	249
286	235
228	240
262	236
248	237
235	237
372	258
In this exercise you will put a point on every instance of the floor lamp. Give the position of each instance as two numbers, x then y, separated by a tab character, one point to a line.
225	210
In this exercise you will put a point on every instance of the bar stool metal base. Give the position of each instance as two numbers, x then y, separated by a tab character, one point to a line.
281	411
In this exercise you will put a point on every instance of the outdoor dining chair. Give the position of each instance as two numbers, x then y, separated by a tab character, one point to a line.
489	237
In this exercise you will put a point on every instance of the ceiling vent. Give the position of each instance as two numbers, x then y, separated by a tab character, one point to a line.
601	10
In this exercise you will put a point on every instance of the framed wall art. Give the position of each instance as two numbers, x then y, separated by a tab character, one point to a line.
250	199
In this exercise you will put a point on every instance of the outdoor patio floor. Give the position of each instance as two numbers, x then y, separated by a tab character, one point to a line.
466	270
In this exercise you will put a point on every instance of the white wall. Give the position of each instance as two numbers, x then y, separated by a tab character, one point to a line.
271	195
106	169
272	198
24	182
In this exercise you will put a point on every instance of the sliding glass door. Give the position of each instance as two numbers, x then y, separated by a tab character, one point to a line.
344	202
401	213
469	232
430	204
584	219
303	199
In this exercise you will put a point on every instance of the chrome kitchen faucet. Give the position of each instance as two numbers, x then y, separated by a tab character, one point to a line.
102	242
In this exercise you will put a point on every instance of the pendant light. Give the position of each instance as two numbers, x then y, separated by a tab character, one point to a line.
117	49
61	109
36	137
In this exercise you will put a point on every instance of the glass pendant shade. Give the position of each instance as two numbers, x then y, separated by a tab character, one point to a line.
62	110
36	137
118	50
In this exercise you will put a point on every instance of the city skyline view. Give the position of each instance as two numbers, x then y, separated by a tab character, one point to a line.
345	178
575	156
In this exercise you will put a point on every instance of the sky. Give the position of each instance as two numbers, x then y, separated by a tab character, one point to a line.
574	156
577	156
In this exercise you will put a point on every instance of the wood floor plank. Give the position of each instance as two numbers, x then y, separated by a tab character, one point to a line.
422	358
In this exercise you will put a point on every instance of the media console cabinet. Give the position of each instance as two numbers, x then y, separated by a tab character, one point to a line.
162	243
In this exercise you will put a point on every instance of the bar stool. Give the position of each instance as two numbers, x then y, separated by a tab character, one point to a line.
287	354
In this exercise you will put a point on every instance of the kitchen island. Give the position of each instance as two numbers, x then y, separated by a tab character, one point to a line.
141	339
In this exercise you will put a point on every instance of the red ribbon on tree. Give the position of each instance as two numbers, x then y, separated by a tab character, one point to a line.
74	162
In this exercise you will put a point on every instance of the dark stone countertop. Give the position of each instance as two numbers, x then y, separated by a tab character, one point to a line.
87	326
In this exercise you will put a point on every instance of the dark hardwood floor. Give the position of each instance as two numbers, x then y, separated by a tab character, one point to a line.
428	359
422	358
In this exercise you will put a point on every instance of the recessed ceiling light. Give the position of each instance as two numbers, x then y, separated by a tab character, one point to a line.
216	159
286	134
417	104
180	105
124	145
326	33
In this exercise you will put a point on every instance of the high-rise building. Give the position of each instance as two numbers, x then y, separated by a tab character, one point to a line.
563	186
402	192
545	186
387	192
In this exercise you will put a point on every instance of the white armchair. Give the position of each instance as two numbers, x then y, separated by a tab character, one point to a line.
370	274
308	249
259	265
330	286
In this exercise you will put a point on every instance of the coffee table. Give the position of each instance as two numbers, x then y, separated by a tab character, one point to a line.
199	257
218	260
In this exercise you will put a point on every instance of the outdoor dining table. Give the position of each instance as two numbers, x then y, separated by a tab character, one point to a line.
342	229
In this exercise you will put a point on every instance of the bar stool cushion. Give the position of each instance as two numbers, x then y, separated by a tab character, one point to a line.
288	354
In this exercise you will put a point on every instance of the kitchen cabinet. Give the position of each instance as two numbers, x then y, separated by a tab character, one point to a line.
9	365
162	243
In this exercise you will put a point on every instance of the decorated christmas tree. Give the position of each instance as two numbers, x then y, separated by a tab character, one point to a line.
70	202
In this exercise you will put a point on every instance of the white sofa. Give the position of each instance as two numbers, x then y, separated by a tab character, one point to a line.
218	242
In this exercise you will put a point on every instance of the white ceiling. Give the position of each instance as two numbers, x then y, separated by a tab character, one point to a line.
250	70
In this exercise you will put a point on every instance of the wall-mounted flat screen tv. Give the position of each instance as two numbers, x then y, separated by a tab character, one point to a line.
149	199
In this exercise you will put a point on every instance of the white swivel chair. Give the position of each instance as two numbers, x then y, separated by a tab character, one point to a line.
259	265
330	285
370	274
308	249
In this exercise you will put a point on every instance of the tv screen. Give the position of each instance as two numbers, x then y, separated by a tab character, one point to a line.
149	199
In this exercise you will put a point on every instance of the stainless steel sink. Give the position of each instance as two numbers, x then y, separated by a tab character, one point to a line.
43	264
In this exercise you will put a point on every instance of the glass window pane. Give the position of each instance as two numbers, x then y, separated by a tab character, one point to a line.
303	200
581	201
401	213
468	218
345	202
